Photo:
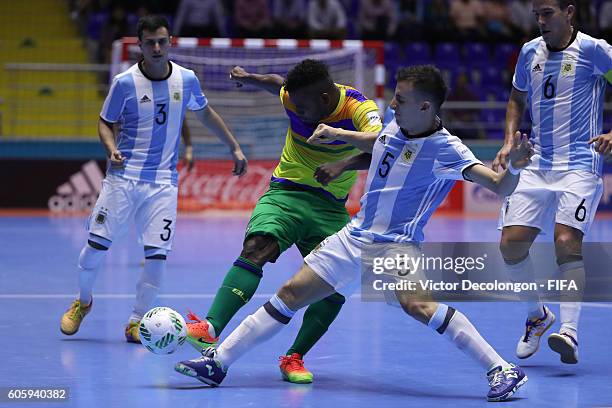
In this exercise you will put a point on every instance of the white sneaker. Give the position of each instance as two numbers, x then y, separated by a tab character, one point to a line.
566	345
534	329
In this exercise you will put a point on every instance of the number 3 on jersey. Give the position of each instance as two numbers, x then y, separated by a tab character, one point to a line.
161	116
385	165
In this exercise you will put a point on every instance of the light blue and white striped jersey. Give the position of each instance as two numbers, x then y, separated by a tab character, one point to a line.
151	114
407	180
566	95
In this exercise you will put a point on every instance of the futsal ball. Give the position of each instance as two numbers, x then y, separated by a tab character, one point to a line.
162	330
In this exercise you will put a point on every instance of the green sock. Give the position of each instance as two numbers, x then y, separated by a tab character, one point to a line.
317	319
239	285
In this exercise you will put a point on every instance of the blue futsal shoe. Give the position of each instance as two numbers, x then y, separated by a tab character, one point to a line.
206	369
504	382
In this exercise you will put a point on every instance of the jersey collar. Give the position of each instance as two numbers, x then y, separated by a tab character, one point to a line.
571	41
424	134
141	68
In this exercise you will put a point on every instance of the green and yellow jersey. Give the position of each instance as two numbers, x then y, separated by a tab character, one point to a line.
299	159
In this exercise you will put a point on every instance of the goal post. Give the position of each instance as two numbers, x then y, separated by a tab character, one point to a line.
255	116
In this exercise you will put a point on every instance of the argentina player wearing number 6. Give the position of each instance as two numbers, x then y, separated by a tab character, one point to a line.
148	101
413	165
562	76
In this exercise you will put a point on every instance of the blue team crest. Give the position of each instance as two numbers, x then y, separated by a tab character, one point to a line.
176	96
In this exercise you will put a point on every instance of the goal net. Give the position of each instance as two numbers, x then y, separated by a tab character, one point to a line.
255	116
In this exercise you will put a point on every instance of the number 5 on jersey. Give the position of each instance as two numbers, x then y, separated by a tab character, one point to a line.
385	165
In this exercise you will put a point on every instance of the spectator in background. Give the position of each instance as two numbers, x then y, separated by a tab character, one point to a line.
113	29
468	18
200	18
411	17
585	16
326	19
605	19
460	120
289	18
252	18
437	21
377	19
496	15
522	20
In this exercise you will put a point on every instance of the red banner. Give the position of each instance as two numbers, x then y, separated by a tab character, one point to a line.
211	185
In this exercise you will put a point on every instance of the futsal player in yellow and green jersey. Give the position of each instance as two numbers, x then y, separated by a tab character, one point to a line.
329	123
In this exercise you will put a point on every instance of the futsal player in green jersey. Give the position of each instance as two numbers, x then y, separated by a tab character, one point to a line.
328	122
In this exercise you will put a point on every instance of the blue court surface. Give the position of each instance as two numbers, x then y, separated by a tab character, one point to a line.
373	355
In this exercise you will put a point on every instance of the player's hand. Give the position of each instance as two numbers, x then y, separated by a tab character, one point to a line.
188	159
501	159
240	163
116	159
603	145
239	75
323	134
521	151
327	172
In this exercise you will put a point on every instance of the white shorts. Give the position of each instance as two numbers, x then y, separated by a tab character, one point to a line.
545	198
153	207
342	259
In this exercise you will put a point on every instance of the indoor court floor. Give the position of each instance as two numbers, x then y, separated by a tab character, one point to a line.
372	356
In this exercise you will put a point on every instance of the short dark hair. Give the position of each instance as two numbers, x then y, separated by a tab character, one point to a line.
151	23
307	72
564	3
427	79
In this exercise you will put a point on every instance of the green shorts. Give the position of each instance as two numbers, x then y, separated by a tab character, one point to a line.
297	217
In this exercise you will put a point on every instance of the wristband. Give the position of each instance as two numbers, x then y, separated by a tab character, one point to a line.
512	170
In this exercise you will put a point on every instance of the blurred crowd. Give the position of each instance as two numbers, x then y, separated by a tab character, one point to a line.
103	21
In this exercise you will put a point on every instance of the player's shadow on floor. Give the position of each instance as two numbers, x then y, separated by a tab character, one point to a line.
356	385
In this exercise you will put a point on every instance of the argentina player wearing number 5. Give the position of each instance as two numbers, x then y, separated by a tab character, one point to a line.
413	165
148	101
562	75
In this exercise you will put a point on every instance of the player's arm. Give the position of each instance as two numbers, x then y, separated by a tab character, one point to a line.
504	183
268	82
107	137
324	134
327	172
213	121
514	114
186	133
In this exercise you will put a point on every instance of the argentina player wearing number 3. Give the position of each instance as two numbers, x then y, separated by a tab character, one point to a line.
562	75
148	101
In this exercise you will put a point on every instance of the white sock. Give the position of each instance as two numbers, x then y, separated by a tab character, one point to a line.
523	272
147	287
570	311
90	260
458	329
253	331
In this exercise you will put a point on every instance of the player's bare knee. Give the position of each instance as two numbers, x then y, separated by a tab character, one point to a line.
512	251
260	249
415	308
289	295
